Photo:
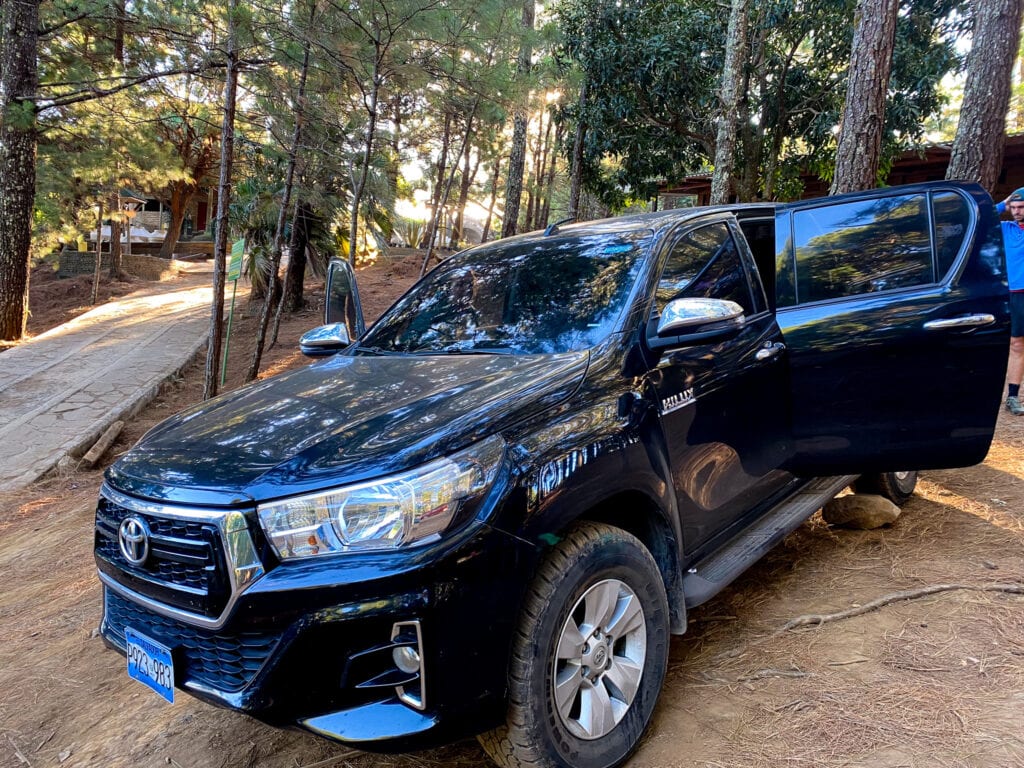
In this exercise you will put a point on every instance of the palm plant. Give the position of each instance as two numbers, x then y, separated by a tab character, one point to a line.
254	213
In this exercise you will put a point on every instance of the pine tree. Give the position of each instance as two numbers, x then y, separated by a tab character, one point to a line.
732	81
858	153
19	24
981	131
520	122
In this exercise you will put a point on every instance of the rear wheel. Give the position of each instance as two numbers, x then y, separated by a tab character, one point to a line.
589	655
897	487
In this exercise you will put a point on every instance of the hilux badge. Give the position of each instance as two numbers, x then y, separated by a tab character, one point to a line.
677	401
133	539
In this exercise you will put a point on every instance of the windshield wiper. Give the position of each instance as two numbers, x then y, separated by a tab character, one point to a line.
378	351
477	351
459	349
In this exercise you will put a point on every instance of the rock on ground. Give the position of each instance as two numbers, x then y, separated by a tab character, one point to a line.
860	510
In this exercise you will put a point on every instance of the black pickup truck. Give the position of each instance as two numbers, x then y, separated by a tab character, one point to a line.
489	512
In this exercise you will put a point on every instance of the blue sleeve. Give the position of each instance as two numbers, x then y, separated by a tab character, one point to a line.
1000	207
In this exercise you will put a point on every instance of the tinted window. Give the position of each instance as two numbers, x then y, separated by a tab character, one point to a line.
705	263
760	237
952	220
862	247
553	295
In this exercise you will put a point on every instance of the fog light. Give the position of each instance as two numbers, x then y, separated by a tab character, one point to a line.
406	659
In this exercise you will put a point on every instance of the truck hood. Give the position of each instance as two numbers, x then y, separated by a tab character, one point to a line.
337	422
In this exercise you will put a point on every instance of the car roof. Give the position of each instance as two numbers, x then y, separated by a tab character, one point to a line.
638	222
659	220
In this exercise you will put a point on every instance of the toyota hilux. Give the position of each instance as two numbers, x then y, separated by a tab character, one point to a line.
488	513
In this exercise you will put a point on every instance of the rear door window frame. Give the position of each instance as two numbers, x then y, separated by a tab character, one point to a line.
788	280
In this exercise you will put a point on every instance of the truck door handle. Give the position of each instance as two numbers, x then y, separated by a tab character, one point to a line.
965	321
770	350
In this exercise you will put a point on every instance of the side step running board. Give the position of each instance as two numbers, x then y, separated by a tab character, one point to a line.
718	570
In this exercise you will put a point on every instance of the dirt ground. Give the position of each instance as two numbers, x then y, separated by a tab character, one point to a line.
932	681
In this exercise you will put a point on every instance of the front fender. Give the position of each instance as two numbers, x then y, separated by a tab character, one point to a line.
593	463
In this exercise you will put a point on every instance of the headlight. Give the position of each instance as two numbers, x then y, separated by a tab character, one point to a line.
386	513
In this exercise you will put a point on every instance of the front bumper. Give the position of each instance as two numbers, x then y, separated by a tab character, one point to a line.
311	643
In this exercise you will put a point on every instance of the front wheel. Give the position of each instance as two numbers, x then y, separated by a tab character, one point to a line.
897	487
589	656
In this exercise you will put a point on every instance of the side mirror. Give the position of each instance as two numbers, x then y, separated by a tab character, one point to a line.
695	320
326	340
342	304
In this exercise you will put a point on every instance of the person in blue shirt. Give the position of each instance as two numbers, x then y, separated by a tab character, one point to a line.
1013	243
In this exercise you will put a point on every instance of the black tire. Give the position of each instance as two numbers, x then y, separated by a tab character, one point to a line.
608	572
897	487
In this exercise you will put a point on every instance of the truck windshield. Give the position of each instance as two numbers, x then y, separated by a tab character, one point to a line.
558	294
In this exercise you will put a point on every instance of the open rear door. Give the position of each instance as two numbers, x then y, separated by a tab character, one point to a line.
893	305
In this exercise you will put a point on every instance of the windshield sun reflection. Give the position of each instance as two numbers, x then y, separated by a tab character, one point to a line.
549	296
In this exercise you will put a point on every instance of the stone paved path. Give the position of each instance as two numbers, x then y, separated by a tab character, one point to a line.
59	391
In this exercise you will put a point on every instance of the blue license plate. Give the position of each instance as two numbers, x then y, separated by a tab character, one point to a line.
150	662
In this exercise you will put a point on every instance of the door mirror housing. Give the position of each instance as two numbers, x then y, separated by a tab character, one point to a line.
342	302
326	340
696	320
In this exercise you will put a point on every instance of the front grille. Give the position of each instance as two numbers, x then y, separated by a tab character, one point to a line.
226	661
185	567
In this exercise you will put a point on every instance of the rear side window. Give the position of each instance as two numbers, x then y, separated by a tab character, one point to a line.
705	263
952	218
862	247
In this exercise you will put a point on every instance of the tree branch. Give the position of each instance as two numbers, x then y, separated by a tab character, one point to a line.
47	31
817	619
44	103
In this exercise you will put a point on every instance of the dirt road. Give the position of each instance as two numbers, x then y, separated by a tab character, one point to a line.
934	681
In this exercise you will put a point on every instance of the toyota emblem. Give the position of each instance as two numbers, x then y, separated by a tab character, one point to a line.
133	539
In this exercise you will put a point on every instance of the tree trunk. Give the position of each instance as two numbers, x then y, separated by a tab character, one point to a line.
776	134
536	180
495	180
728	103
517	157
576	172
19	22
291	290
468	174
549	185
120	21
1019	99
751	135
220	247
430	231
394	162
116	231
182	194
533	177
118	9
371	130
289	182
546	156
528	221
439	210
981	133
860	136
99	256
296	274
514	181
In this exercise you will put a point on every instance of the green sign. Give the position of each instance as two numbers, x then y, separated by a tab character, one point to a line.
235	264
